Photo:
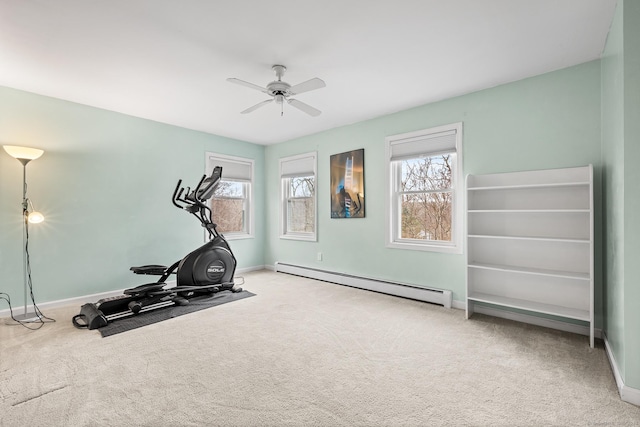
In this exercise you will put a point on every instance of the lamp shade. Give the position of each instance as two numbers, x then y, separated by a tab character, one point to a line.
23	153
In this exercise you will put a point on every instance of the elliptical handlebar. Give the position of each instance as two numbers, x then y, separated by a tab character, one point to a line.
203	192
176	194
193	195
194	201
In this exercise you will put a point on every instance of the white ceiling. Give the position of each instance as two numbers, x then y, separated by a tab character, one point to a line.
168	60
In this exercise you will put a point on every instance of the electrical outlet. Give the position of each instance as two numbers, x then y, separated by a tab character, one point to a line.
319	256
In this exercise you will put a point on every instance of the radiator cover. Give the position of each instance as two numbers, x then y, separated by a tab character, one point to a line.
431	295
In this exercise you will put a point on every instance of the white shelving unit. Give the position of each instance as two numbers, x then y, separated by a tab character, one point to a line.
530	242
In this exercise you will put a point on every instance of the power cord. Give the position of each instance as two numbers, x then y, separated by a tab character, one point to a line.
42	319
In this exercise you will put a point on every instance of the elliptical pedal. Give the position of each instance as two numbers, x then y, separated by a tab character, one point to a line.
152	269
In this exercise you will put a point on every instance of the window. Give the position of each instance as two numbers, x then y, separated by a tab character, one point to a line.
231	204
424	197
298	212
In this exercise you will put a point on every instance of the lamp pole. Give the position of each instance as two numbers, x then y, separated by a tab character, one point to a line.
27	316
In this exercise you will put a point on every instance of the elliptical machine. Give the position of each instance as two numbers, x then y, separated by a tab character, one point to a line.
203	272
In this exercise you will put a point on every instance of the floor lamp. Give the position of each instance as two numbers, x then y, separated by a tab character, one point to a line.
24	156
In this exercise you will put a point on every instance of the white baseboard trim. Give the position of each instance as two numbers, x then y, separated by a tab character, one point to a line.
460	305
253	268
530	319
405	290
79	301
627	394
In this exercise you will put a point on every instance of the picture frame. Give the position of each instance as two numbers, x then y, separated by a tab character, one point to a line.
347	184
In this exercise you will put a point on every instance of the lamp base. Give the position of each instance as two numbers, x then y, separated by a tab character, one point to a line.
27	317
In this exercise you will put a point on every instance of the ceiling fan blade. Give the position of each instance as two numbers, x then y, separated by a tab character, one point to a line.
304	107
247	84
255	107
312	84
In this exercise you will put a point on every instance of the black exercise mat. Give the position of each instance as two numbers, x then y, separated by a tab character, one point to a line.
160	314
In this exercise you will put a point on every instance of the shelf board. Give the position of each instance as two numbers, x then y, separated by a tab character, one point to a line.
528	211
528	270
544	239
554	310
526	186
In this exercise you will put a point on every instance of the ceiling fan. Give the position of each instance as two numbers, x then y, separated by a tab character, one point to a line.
282	91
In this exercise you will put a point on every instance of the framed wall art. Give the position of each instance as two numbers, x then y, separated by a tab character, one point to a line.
347	184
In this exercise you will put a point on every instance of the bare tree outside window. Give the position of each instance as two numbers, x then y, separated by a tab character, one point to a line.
228	207
426	198
300	205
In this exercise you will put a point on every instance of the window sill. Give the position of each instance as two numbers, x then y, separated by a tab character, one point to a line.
237	236
302	237
445	249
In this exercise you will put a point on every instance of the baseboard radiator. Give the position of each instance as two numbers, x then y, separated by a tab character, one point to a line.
434	296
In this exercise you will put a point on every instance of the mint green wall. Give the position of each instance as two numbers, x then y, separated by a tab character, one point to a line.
632	190
621	154
104	185
548	121
613	186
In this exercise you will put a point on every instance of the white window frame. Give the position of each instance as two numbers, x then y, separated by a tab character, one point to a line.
242	163
392	210
291	167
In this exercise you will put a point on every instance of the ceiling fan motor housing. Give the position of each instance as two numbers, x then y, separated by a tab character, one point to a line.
279	88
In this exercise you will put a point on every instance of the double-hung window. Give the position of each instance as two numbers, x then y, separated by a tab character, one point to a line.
298	197
424	193
231	204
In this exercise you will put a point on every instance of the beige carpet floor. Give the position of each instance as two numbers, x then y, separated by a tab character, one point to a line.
308	353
